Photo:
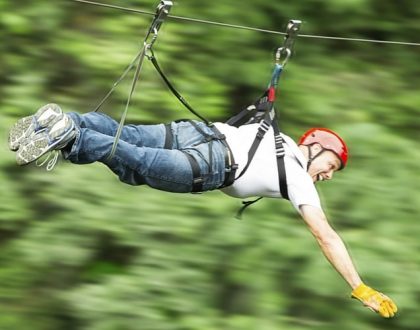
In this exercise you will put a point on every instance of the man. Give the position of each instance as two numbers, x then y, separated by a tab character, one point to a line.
190	156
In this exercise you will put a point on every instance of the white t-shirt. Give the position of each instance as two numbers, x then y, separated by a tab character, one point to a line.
261	177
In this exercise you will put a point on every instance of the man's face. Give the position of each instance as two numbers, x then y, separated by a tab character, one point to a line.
323	167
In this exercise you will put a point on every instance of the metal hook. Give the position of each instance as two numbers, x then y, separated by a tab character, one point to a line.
279	53
292	30
162	11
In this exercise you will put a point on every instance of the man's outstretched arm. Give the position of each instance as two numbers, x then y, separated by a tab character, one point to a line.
336	252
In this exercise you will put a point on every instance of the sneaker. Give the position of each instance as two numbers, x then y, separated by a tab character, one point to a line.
52	138
45	117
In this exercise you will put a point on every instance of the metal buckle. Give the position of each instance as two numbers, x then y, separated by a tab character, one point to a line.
260	133
231	168
198	180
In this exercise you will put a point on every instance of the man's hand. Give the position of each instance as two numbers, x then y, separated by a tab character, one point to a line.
375	300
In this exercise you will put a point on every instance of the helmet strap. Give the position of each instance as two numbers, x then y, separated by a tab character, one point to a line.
312	157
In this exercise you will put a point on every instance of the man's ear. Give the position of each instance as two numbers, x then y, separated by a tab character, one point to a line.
316	147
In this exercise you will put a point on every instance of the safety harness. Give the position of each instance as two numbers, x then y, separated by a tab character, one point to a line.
262	111
198	178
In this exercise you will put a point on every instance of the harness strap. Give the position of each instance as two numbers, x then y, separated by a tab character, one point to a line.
245	205
198	180
169	139
262	129
178	95
281	167
253	113
230	165
242	116
197	184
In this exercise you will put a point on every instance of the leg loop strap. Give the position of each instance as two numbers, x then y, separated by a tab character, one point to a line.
197	185
169	139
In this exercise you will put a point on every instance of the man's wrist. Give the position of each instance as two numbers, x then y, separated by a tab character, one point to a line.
359	290
357	285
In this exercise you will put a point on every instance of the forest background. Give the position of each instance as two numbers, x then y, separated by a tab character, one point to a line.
82	251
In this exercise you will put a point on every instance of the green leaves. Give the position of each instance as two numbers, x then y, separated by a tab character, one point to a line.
80	250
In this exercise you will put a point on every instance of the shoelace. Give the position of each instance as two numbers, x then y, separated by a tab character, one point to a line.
51	160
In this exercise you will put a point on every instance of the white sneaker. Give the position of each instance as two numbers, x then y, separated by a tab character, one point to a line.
45	117
54	137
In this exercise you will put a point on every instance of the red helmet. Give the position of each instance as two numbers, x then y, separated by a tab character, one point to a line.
328	140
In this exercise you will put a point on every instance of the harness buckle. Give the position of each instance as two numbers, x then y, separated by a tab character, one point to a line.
260	133
197	180
232	167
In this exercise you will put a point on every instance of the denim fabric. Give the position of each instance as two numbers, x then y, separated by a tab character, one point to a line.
140	157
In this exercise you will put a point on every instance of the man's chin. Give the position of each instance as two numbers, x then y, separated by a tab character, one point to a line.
317	178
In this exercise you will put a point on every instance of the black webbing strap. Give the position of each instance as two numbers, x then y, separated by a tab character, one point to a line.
245	205
155	63
281	168
168	137
230	165
252	113
243	116
197	185
262	129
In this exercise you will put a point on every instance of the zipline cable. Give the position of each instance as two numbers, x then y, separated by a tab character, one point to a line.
243	27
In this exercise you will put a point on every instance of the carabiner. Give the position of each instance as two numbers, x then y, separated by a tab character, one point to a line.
280	52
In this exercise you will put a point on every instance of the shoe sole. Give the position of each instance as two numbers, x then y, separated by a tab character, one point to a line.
32	151
36	147
22	128
26	126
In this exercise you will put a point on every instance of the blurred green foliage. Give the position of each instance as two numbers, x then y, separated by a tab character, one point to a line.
80	250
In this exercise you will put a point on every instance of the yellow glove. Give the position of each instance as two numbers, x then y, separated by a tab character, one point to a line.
375	300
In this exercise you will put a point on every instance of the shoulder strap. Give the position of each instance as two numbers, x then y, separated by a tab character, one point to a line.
281	168
253	113
262	129
280	153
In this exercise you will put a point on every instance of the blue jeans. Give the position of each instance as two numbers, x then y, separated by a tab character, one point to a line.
140	157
